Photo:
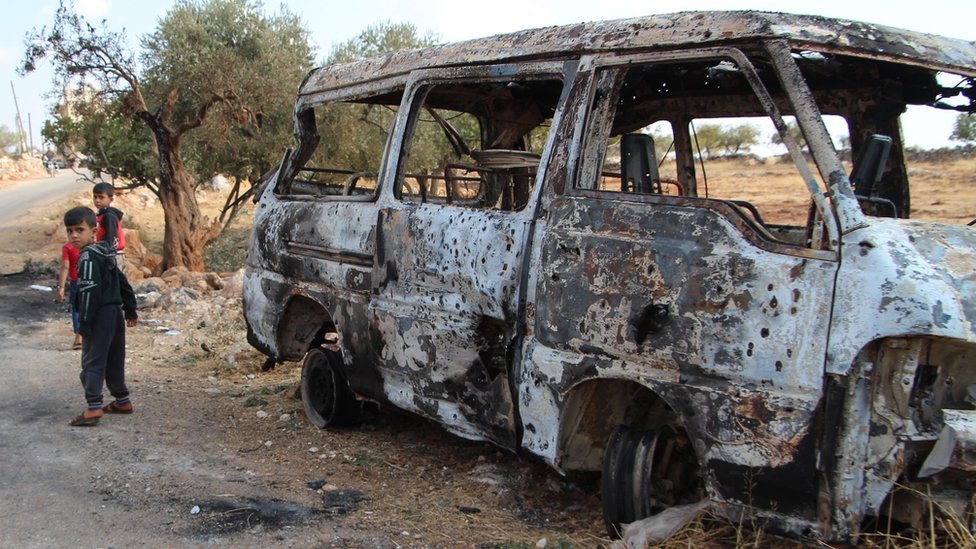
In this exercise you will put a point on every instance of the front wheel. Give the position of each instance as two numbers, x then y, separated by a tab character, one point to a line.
644	472
326	396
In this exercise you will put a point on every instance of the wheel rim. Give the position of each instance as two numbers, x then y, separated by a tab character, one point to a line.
645	472
319	389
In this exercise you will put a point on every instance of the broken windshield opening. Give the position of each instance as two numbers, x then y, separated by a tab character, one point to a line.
341	146
914	110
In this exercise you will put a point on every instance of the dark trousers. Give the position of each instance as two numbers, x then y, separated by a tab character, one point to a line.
103	356
72	299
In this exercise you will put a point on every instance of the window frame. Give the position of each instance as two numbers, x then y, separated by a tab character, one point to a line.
420	83
590	159
307	103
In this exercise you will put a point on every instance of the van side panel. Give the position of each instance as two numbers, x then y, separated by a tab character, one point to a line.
678	299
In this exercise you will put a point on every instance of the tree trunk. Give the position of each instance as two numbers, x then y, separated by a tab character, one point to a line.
186	230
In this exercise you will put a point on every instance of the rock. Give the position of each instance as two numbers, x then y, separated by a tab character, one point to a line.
166	340
176	276
132	272
144	197
217	183
177	298
315	484
214	281
233	286
262	414
146	285
199	284
284	417
147	300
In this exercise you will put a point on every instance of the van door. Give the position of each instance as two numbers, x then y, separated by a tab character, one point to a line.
715	299
451	246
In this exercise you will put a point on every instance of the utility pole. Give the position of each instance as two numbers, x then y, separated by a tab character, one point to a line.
21	141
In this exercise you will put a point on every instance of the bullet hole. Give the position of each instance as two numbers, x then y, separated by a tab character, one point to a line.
773	302
796	295
764	332
792	310
554	277
789	353
749	350
779	366
650	270
770	287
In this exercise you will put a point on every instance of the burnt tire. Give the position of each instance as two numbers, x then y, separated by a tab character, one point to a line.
326	396
645	472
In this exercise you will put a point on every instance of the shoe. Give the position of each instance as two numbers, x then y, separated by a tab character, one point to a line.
115	408
87	419
76	346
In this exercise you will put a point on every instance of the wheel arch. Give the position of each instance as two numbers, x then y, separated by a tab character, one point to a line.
304	323
594	407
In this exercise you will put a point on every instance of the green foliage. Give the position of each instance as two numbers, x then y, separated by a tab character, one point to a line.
8	139
114	144
715	139
250	62
793	130
354	134
380	39
228	251
964	128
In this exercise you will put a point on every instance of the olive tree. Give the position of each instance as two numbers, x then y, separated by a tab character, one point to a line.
216	67
964	128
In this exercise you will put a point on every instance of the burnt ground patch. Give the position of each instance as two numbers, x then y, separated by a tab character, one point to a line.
23	307
228	516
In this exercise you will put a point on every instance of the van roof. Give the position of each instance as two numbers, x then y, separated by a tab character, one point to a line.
656	32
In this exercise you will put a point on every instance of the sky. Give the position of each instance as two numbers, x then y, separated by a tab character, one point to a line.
331	22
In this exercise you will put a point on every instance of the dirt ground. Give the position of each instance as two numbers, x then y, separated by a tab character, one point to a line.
219	452
211	431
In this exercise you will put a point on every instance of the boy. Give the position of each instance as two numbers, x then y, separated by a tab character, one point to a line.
103	295
109	220
69	276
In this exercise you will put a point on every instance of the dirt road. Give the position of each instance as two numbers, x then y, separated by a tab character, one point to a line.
213	434
17	197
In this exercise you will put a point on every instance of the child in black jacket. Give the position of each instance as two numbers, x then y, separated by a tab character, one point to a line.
104	297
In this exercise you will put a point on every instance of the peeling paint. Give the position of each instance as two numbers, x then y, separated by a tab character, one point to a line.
553	317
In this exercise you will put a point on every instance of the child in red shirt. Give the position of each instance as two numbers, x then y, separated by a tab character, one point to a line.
109	221
69	274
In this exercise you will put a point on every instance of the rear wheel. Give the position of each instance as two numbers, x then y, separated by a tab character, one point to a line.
645	472
326	396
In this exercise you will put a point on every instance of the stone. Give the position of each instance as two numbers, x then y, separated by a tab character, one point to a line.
178	274
147	300
233	286
146	285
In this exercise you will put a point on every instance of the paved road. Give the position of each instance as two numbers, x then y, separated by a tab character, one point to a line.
17	198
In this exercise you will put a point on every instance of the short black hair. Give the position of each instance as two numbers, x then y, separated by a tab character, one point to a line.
104	187
80	215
